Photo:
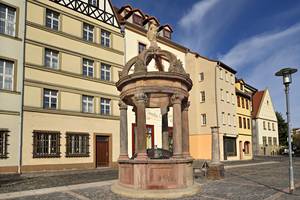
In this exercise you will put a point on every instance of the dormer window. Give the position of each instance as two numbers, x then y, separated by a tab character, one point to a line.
137	19
167	34
93	2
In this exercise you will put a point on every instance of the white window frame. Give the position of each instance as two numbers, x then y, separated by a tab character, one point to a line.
105	38
229	119
227	97
232	99
52	55
232	79
104	71
226	76
89	30
222	95
202	96
52	19
87	104
87	65
105	106
53	95
234	120
223	118
5	76
8	24
203	119
221	73
93	2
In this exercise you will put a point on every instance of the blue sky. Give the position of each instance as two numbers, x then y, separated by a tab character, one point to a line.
255	37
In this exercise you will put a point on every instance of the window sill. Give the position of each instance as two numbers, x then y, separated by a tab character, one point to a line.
10	91
78	155
10	36
47	156
3	157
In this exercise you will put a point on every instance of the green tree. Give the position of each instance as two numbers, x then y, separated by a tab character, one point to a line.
282	129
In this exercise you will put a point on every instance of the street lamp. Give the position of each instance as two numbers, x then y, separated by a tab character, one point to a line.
286	73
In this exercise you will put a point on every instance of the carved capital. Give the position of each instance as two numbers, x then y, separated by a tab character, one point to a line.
122	105
177	98
186	105
141	97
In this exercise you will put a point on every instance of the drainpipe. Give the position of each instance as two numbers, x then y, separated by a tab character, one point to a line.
22	94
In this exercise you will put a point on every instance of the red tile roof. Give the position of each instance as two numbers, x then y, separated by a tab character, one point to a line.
256	102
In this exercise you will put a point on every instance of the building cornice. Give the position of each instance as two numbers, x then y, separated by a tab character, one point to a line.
70	113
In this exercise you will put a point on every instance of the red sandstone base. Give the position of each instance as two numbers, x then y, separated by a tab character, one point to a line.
216	172
156	174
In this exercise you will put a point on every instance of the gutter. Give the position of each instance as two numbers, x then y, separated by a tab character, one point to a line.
22	95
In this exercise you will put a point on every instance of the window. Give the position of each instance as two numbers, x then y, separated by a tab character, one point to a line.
269	126
264	140
221	73
87	104
244	122
222	95
234	120
50	99
77	145
270	141
203	119
247	104
3	143
264	124
232	79
201	76
46	144
105	38
88	68
223	118
247	147
274	141
273	126
105	106
141	47
232	99
230	146
7	20
105	72
88	32
242	87
202	96
6	74
239	101
226	76
248	123
243	102
167	34
227	97
51	58
52	19
137	19
240	122
229	119
93	2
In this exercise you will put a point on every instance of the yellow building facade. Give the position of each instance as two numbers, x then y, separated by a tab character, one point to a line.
244	93
213	103
72	58
11	82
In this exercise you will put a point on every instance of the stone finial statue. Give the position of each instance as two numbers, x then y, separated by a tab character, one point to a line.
152	34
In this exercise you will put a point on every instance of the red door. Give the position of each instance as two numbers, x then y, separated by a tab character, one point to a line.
102	151
149	137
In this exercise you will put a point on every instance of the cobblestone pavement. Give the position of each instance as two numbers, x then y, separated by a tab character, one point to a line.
268	181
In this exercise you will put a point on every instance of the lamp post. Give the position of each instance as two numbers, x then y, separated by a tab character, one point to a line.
286	73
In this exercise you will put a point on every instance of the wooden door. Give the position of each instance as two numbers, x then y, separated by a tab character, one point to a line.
102	151
241	150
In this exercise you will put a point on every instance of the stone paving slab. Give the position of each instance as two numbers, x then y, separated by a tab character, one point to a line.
265	182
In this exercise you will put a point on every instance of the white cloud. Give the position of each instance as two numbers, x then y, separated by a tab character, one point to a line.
197	13
202	26
259	57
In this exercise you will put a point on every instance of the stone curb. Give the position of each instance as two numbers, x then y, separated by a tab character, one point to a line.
54	189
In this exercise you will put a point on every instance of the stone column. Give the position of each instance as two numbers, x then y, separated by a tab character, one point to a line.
123	131
177	125
140	101
165	129
216	168
185	130
215	145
